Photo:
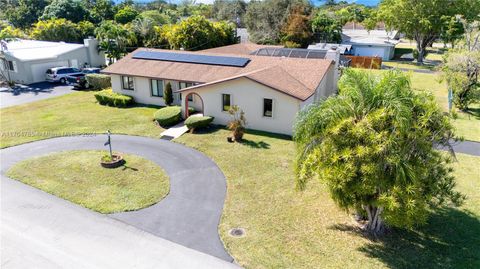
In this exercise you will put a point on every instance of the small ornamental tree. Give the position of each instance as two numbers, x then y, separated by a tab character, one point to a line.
167	94
373	145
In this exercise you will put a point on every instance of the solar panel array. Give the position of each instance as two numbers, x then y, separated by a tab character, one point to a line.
291	53
191	58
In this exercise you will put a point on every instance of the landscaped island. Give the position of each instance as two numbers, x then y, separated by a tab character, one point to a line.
77	176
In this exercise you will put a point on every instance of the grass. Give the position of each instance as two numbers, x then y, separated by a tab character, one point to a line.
78	177
290	229
407	65
284	228
72	114
467	125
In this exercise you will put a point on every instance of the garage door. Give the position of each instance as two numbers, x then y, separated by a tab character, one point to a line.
38	70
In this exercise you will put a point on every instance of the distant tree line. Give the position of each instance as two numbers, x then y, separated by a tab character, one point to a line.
293	23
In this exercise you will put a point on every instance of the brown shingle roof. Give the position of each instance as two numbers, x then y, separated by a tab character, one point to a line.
293	76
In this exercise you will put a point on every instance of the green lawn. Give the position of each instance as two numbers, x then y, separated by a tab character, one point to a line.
407	65
72	114
78	177
467	125
290	229
284	228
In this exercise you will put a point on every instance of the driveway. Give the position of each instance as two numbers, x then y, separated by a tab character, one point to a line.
190	213
22	94
40	230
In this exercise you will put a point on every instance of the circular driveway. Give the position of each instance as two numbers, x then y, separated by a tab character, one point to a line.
189	215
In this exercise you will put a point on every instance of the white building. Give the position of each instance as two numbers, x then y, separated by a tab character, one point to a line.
26	61
374	43
270	90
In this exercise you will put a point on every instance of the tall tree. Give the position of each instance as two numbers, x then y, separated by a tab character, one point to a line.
373	145
196	33
8	31
126	14
56	30
114	38
422	20
25	13
72	10
462	67
265	19
326	28
297	30
230	10
101	10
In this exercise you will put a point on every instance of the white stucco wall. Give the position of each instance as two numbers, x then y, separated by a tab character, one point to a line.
386	52
244	92
249	96
142	92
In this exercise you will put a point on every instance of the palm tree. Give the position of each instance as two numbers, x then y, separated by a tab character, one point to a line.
374	147
114	38
143	28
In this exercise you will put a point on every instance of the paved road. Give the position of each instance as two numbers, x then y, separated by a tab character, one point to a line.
31	93
467	147
190	213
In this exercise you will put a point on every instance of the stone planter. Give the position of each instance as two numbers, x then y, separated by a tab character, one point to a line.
116	162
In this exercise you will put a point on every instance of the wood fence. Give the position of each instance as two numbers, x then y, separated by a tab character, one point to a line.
365	62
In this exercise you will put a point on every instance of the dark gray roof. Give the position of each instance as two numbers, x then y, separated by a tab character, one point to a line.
290	53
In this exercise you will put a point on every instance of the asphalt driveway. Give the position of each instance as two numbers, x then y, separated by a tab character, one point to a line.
189	215
22	94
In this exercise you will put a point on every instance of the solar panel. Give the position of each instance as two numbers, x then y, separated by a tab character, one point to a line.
290	53
191	58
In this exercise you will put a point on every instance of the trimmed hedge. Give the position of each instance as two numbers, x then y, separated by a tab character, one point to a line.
194	122
168	116
99	81
110	98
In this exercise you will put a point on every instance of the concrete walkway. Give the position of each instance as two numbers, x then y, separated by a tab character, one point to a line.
190	213
174	131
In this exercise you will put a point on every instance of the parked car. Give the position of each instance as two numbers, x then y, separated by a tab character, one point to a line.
79	81
59	74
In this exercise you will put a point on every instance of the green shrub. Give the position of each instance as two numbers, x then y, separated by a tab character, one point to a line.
98	81
167	94
168	116
191	110
110	98
194	122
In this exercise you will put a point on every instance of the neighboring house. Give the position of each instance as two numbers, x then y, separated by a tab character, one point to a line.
271	90
374	43
26	61
343	49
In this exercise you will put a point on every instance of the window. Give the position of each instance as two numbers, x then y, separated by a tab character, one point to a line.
127	83
267	107
156	87
226	103
182	85
10	66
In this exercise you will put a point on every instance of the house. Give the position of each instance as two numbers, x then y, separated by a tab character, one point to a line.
26	61
270	90
374	43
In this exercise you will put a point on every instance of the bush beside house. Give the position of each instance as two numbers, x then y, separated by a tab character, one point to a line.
168	116
99	81
110	98
195	122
